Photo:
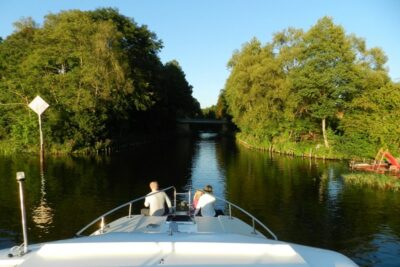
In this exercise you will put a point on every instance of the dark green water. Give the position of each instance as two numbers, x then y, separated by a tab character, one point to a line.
302	201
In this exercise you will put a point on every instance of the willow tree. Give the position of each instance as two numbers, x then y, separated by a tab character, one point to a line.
239	83
256	91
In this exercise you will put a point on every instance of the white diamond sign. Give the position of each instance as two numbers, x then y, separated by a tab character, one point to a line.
38	105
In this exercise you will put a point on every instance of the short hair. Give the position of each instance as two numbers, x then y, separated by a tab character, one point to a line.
208	188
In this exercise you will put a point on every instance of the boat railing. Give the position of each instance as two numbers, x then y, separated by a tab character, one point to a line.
254	220
101	218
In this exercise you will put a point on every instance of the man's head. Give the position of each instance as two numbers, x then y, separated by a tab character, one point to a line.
208	188
154	186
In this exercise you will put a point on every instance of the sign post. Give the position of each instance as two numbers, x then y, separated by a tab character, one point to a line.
39	106
20	179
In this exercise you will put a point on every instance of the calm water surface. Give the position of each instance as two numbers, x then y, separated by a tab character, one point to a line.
302	201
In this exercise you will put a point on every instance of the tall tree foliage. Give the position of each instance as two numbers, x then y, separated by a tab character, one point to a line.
257	91
304	85
99	71
178	92
325	79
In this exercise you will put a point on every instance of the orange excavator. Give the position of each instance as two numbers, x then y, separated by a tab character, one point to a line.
384	162
382	154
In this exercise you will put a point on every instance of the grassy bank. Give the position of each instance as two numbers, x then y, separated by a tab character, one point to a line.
9	147
373	180
301	149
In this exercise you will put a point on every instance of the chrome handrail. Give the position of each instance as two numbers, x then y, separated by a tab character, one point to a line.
101	217
253	218
230	205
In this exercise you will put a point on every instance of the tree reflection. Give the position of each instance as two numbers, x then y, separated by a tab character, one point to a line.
303	201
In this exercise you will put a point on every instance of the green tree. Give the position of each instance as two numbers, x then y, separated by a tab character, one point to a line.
324	79
257	92
178	91
221	109
14	91
372	122
306	83
99	71
209	112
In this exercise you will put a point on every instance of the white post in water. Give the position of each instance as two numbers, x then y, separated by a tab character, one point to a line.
39	106
20	179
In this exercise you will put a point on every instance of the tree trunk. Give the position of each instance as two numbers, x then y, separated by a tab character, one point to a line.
324	132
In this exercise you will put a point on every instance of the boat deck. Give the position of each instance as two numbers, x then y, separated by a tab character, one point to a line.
173	240
141	246
183	224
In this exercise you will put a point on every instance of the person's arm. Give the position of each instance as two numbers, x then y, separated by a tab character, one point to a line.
146	202
167	200
200	204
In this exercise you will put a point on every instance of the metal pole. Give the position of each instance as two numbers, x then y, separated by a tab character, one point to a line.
102	224
190	200
41	139
20	179
174	201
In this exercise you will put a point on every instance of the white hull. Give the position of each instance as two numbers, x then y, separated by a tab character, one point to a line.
174	240
148	241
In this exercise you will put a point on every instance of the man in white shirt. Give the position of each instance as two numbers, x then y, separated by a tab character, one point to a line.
206	203
156	200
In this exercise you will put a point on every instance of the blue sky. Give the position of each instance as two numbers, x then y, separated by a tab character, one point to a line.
202	35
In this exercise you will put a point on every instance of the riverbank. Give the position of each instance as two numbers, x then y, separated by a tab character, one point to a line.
304	149
106	146
373	180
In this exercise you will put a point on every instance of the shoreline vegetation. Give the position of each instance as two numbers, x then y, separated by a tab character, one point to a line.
317	93
102	76
373	180
361	178
320	93
106	147
305	150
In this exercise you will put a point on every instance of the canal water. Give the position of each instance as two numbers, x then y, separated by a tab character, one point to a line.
303	201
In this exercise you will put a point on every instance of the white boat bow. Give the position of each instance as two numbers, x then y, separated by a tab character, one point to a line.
178	239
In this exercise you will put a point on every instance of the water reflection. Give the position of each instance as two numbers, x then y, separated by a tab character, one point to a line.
330	188
387	245
205	169
380	249
335	185
301	200
42	215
